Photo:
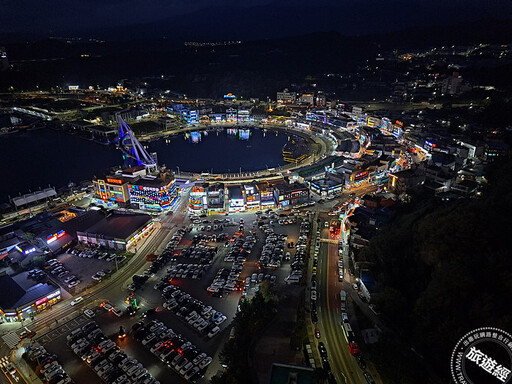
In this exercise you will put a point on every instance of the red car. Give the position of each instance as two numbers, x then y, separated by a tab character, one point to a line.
317	333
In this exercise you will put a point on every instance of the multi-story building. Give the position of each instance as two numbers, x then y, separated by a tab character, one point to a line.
307	98
236	199
455	85
243	115
286	97
112	188
231	114
290	194
154	193
251	195
191	116
321	100
197	201
215	198
266	194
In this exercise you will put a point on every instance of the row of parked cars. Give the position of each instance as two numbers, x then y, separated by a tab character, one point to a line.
109	362
241	247
199	316
313	294
166	256
185	271
57	269
228	279
48	365
36	274
172	349
299	258
209	238
325	362
100	275
203	253
90	253
273	253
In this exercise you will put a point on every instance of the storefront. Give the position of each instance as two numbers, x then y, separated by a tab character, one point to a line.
197	200
291	195
22	304
118	231
236	199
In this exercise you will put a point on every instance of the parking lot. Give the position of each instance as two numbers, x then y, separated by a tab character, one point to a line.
84	269
176	290
197	284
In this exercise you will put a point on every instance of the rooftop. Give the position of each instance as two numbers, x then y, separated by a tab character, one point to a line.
288	374
235	192
119	226
18	296
158	182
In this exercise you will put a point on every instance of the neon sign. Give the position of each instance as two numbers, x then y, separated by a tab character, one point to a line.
115	181
51	238
52	295
43	300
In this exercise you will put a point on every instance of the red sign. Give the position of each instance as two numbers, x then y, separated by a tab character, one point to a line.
115	181
42	300
361	175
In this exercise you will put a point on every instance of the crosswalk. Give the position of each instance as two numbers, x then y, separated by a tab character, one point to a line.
11	339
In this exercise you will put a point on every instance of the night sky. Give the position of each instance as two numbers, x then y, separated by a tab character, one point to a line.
231	19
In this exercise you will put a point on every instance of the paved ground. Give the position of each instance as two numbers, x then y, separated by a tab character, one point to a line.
83	268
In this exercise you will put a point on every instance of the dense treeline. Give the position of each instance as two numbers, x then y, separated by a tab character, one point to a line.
444	269
248	323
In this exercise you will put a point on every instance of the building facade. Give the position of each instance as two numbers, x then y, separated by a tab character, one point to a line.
154	193
25	301
112	188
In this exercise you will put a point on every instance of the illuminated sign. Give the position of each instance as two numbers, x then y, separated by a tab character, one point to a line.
361	175
399	123
26	251
115	181
52	295
73	87
43	300
229	96
51	238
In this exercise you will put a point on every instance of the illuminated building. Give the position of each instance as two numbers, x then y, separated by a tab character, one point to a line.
154	193
231	114
197	201
251	195
25	248
190	116
243	115
117	230
330	184
286	97
112	188
290	195
236	199
307	98
266	195
216	198
25	298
